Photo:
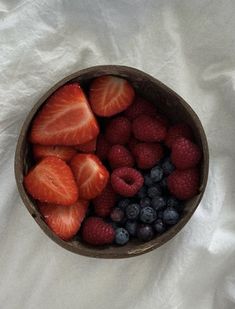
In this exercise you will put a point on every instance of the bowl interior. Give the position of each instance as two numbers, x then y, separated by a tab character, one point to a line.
167	102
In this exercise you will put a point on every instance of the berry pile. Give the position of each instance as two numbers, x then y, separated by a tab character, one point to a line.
109	168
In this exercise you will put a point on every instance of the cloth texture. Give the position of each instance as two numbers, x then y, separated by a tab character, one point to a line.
188	45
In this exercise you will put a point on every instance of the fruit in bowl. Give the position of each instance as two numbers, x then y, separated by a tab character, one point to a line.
107	165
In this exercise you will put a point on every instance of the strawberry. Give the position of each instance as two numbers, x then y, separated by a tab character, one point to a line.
87	147
96	231
104	203
90	174
63	152
52	181
185	154
65	119
64	221
110	95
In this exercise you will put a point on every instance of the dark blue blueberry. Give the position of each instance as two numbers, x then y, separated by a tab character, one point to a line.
156	173
170	216
131	227
148	215
132	211
117	214
174	202
148	181
159	226
122	236
167	166
158	203
145	232
154	191
144	202
123	203
142	192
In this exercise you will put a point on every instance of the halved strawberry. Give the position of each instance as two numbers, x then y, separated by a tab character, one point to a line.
65	119
64	221
63	152
90	174
110	95
52	181
88	147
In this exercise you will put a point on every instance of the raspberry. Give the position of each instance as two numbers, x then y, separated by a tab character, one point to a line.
184	184
118	131
97	232
102	147
119	156
126	181
176	131
185	154
140	107
147	155
104	203
132	142
161	118
148	129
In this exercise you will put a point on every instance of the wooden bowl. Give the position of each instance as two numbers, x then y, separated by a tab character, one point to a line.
168	102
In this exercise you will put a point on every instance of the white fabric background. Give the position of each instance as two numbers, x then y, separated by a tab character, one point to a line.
190	46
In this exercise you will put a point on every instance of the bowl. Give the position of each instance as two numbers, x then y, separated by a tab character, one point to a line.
169	103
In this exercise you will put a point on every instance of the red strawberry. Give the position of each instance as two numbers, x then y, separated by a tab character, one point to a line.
140	107
119	156
176	131
64	221
90	174
118	131
87	147
63	152
52	181
184	184
102	147
185	154
97	232
147	154
110	95
65	119
148	129
104	203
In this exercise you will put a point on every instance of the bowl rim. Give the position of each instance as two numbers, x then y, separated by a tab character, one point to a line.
93	251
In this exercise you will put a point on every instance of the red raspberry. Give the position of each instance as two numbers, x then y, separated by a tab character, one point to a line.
104	203
147	154
102	147
176	131
140	107
161	118
185	154
132	142
148	129
118	131
184	184
126	181
119	156
97	232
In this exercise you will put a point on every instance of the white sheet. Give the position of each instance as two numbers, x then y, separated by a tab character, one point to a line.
190	46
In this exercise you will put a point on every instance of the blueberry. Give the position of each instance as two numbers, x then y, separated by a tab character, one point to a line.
148	181
154	191
122	236
145	232
170	216
158	203
117	215
173	202
144	202
163	184
148	215
167	166
159	226
156	173
131	227
123	203
142	192
132	211
160	214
